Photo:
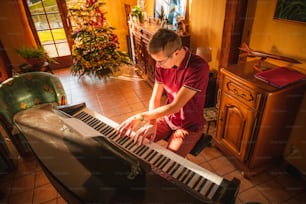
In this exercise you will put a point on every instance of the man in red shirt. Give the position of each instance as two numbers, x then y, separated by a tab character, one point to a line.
184	78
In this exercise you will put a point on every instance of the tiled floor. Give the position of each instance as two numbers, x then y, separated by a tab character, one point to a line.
117	99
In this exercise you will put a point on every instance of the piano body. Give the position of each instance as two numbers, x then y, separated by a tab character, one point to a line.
87	163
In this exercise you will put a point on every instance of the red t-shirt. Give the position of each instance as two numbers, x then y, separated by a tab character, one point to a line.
193	74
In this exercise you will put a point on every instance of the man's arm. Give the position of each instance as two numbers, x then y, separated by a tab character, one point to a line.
156	96
182	97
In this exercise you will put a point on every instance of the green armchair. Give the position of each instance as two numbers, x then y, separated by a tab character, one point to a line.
24	91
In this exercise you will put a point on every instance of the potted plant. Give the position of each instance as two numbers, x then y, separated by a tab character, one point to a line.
35	56
137	13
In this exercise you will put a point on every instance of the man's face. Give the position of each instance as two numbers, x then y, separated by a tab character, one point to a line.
164	61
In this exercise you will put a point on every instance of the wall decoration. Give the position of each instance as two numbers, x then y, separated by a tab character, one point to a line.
291	10
169	10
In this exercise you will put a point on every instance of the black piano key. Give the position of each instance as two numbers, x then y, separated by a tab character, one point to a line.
213	191
168	166
181	174
194	181
189	177
157	164
107	131
129	144
133	147
125	139
107	128
173	168
93	122
156	159
119	140
143	151
200	184
97	124
177	172
148	155
184	175
86	118
141	147
102	128
136	149
145	154
81	115
205	189
110	133
99	127
161	161
162	165
152	156
113	135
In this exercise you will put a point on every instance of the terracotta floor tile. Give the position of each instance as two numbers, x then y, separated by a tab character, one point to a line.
196	159
54	201
61	200
44	193
253	195
274	192
260	178
24	197
210	153
41	179
23	183
207	166
25	168
221	166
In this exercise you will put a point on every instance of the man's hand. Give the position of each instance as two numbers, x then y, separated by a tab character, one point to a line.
131	124
128	126
148	131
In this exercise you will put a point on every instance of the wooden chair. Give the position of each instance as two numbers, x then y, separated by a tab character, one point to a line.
211	113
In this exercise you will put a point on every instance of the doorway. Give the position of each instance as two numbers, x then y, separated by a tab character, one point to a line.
51	28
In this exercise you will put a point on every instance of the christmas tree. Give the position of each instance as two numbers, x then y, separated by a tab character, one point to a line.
96	47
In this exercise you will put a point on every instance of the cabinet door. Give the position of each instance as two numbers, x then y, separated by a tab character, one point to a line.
236	121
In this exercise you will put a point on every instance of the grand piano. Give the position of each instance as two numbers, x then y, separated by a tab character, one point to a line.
87	162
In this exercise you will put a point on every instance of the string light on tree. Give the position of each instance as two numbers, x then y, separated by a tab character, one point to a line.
95	51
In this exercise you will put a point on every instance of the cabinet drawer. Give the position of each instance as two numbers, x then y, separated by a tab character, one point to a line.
241	92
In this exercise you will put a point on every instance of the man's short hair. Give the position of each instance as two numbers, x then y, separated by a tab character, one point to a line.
164	40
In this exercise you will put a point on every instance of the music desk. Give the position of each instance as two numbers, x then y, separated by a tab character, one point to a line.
84	171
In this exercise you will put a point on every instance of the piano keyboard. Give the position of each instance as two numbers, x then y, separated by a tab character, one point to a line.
200	182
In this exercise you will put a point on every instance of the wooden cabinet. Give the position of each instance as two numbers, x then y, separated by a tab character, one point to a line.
255	118
140	37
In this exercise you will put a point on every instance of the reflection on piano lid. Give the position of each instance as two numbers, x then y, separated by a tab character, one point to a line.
199	182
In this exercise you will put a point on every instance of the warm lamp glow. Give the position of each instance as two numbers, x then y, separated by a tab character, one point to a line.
205	53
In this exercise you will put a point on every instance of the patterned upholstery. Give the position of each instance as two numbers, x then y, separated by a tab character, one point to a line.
24	91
